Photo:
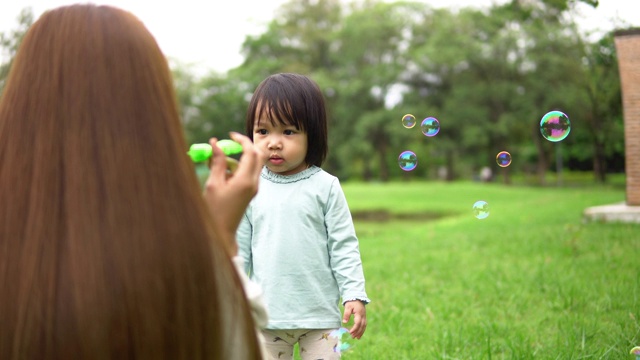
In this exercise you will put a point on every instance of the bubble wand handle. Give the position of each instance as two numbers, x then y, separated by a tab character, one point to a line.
202	152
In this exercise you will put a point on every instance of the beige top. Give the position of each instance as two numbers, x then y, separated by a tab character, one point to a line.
253	292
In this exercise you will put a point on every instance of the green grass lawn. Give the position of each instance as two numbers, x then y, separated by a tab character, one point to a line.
531	281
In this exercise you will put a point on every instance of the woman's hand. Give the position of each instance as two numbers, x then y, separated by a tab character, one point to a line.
228	195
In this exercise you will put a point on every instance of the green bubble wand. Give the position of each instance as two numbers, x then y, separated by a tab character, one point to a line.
202	152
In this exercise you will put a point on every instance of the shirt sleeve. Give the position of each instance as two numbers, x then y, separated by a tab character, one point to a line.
344	252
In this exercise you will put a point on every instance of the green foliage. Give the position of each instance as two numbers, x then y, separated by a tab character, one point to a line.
604	118
531	281
298	40
487	75
9	43
223	106
367	68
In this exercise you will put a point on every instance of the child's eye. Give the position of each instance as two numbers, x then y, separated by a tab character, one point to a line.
261	131
289	132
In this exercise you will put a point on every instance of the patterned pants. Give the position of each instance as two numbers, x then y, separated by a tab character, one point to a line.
313	344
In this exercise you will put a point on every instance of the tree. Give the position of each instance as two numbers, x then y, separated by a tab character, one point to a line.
488	75
211	106
9	42
466	66
552	79
369	59
186	85
604	122
222	105
298	40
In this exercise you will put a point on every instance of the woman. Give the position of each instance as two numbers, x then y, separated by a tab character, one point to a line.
107	248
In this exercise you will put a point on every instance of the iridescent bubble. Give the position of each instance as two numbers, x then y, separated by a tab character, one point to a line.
503	159
481	209
555	126
341	335
430	126
407	160
408	121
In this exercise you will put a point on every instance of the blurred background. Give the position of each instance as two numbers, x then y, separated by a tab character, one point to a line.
487	70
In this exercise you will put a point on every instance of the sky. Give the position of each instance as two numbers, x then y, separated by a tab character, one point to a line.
208	35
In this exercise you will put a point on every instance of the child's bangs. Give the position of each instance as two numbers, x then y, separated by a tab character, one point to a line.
277	112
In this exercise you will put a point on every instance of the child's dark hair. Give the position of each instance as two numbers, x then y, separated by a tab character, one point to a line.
292	99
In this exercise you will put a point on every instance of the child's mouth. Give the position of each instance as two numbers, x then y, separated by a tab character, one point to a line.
276	160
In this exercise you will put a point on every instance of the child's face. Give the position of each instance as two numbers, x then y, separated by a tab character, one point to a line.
285	146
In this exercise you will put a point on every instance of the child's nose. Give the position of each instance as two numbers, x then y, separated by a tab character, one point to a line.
274	144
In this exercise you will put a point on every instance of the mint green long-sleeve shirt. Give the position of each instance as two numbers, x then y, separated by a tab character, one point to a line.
299	244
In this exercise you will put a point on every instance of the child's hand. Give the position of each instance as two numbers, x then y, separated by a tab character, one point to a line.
357	308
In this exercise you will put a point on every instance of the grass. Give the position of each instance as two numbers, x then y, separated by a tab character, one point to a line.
531	281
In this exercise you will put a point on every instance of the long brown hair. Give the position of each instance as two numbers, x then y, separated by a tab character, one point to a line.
107	249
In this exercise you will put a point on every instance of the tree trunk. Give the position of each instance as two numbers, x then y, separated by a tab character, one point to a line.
543	163
506	178
366	171
599	163
450	172
384	168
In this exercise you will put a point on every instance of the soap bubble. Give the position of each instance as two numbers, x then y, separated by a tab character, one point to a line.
430	126
555	126
408	121
503	159
342	335
481	209
407	160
